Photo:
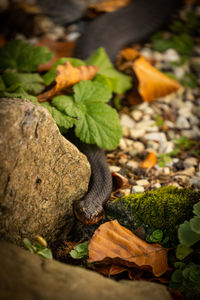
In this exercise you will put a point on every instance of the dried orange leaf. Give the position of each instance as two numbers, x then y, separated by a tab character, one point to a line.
67	75
114	243
152	83
110	269
149	161
109	6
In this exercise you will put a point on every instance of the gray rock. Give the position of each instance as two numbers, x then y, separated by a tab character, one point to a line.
26	276
41	173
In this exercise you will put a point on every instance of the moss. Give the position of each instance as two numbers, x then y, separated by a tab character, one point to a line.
164	208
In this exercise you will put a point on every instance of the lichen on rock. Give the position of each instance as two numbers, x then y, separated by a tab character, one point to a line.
164	208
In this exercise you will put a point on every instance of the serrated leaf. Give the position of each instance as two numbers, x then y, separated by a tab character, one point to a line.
186	235
51	75
183	251
87	91
177	276
105	80
179	265
32	83
95	121
120	81
196	209
157	234
195	224
61	119
21	56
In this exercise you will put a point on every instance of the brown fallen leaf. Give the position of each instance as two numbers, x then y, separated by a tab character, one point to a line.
116	244
60	49
149	161
108	6
67	75
119	181
152	84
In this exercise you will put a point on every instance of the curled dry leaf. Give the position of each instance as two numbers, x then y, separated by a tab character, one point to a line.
109	6
116	244
67	75
152	84
149	161
119	181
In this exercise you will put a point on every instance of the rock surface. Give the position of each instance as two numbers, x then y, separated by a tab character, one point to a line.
29	277
41	173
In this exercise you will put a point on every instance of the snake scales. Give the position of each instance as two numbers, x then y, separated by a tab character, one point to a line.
112	31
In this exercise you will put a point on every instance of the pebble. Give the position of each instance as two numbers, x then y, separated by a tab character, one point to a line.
171	55
73	36
126	192
132	165
137	189
190	162
136	115
115	169
142	182
158	136
137	133
127	121
192	134
188	172
182	122
137	147
156	185
195	180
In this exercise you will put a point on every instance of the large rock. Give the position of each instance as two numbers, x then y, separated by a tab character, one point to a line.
41	173
26	276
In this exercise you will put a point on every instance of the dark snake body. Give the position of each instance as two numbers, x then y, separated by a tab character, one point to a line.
114	31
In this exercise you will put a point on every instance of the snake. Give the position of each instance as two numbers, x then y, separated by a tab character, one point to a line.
113	31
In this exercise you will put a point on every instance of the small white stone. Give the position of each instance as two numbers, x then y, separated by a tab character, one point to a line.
125	131
122	144
195	181
166	147
115	169
132	165
149	110
73	36
182	122
190	162
194	120
137	133
122	161
143	106
166	170
152	145
188	172
192	134
142	182
136	114
147	52
171	55
137	189
127	121
156	185
126	192
137	147
159	137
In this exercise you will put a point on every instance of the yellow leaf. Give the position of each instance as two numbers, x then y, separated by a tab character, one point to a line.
149	161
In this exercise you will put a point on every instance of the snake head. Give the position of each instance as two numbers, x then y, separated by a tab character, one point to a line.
88	213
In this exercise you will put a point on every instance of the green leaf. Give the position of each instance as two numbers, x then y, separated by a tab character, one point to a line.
87	91
189	80
183	251
177	276
51	75
179	265
2	84
61	119
186	235
45	253
120	81
157	234
195	224
29	246
21	56
79	251
104	80
17	91
183	43
32	83
95	121
162	45
196	209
